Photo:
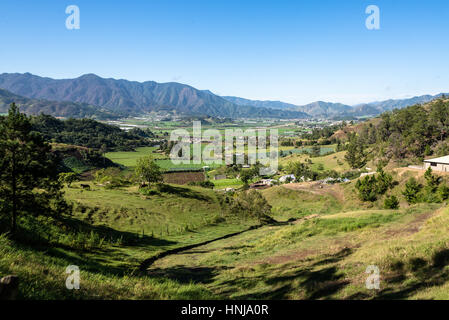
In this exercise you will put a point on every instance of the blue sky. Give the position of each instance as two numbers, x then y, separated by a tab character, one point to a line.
293	51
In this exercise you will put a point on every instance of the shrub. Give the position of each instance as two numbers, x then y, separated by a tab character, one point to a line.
411	191
204	184
68	178
391	202
367	188
443	192
384	181
432	181
250	203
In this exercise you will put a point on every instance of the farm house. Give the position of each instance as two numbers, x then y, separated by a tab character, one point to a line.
437	164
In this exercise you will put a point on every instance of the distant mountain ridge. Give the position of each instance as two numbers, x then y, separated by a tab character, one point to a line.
134	97
321	109
262	103
91	96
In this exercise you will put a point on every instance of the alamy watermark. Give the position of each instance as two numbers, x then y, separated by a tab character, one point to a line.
228	150
73	20
373	280
372	22
73	280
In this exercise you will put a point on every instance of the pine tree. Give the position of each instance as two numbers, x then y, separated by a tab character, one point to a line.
356	156
411	191
432	181
26	165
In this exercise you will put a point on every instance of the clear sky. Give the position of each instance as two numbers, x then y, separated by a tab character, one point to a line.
293	51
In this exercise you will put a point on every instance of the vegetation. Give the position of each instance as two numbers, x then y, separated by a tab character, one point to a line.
356	155
90	133
148	171
371	186
26	166
308	240
391	203
68	178
411	191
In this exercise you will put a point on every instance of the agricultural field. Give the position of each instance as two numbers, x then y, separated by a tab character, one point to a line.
183	177
129	158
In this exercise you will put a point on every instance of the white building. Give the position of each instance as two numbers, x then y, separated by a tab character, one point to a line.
268	182
437	164
284	178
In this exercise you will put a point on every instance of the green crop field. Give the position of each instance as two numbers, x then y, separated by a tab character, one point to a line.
129	158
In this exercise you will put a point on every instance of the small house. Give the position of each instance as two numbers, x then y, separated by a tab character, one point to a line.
290	177
437	164
268	182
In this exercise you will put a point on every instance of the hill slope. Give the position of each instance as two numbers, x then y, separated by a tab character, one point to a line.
54	108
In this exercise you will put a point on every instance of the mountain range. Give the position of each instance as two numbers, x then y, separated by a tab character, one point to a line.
134	98
92	96
321	109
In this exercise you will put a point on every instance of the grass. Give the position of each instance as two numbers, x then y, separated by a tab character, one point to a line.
129	158
322	255
125	209
42	276
315	259
333	161
76	165
227	183
129	228
295	204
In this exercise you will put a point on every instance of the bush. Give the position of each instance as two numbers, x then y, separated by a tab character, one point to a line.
443	192
250	203
367	188
384	181
110	178
391	203
204	184
411	191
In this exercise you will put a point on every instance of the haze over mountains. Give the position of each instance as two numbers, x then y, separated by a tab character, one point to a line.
93	96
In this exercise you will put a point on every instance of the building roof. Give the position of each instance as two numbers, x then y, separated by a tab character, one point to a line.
443	160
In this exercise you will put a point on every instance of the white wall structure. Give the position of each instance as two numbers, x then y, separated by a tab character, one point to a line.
437	164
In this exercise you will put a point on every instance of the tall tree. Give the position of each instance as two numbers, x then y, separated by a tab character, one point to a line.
148	170
29	181
356	155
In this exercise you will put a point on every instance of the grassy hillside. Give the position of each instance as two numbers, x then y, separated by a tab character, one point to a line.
333	161
322	253
325	254
115	231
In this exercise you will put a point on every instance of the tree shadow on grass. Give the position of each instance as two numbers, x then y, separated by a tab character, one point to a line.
426	274
333	258
314	284
183	192
106	258
183	274
129	239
